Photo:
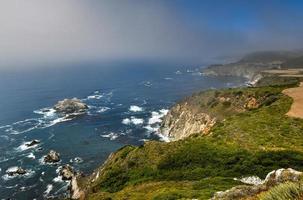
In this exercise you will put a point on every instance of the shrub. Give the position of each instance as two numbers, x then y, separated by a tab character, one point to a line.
285	191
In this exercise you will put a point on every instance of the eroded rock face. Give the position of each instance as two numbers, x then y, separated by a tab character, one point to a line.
52	157
71	106
67	172
272	179
181	121
252	103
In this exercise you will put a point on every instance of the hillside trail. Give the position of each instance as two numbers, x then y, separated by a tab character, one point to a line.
296	109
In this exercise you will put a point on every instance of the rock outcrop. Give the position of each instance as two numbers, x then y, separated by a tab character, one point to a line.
67	172
272	179
200	112
16	171
181	122
52	157
71	106
32	143
76	192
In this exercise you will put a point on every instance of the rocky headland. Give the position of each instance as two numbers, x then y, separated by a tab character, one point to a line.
252	65
236	143
222	140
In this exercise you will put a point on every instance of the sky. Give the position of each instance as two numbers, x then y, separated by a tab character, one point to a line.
45	32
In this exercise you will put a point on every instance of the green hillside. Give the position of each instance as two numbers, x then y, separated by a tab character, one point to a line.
253	142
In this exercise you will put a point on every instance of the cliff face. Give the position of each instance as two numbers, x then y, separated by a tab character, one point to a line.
181	122
200	112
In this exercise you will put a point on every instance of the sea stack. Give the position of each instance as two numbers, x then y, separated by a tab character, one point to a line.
52	157
71	106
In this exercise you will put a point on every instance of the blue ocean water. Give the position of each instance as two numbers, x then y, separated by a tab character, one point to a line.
126	102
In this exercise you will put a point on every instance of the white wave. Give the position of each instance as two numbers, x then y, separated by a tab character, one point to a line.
111	136
6	177
31	155
134	108
76	160
168	78
10	187
164	138
46	112
151	129
132	120
147	83
58	179
49	188
178	72
12	169
49	118
157	116
144	140
96	96
102	109
24	146
3	159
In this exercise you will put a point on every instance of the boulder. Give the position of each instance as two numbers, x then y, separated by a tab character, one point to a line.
16	171
32	143
71	106
67	172
52	157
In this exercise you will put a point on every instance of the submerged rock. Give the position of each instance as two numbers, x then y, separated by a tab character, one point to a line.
16	171
67	172
52	157
71	106
32	143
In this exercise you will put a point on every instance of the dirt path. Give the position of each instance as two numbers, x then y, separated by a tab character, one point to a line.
296	109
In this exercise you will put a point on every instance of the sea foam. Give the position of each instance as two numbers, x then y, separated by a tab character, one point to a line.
132	120
135	108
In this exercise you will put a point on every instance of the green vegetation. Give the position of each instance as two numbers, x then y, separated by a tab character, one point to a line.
288	190
271	80
253	142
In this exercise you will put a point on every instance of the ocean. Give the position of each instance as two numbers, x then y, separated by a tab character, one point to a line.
126	102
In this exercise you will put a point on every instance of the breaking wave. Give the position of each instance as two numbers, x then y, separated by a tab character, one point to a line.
111	136
135	108
132	120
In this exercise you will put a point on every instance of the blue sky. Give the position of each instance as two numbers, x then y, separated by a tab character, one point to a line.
36	32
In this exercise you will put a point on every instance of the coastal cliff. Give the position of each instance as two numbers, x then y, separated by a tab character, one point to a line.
200	112
251	137
252	65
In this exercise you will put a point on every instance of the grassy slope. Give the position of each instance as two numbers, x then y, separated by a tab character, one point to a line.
250	143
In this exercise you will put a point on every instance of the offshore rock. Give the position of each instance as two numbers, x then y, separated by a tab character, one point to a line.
71	106
16	171
52	157
32	143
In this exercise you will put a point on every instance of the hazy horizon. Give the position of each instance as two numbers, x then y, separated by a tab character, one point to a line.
43	33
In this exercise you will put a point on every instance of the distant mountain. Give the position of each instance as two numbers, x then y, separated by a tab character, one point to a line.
296	62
